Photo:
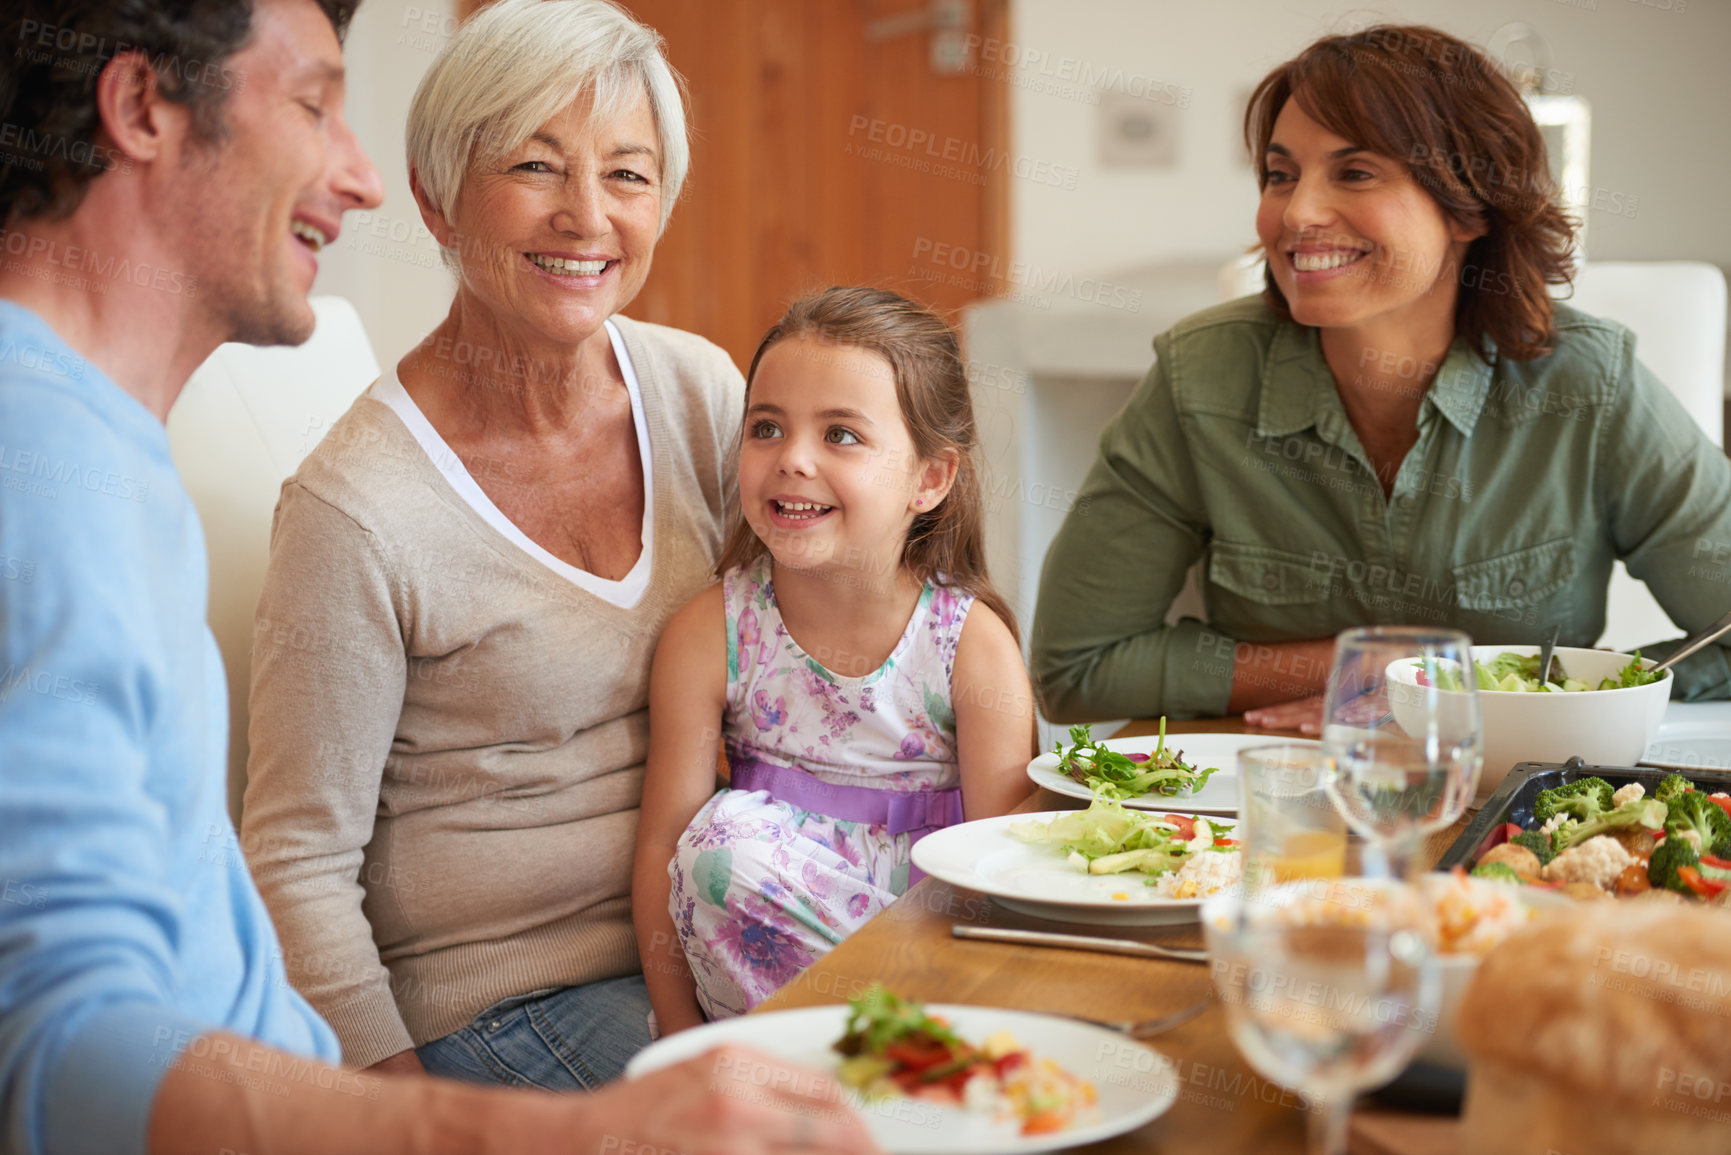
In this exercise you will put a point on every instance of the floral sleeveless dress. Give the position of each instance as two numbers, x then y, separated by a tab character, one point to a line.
763	887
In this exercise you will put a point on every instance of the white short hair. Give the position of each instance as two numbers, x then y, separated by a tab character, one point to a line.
516	64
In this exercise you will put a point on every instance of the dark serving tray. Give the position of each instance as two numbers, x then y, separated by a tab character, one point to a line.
1513	800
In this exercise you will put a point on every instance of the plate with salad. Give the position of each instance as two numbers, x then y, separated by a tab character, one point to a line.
956	1080
1109	864
1197	773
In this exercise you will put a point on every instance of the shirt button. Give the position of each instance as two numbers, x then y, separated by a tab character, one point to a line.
1517	588
1270	581
494	1025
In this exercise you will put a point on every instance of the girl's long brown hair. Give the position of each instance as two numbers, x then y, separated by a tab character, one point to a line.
949	542
1439	105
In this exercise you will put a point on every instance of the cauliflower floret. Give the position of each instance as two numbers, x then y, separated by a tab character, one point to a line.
1597	860
1692	837
1553	822
1629	793
1205	874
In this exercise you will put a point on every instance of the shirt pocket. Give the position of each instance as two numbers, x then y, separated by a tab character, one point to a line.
1516	580
1267	576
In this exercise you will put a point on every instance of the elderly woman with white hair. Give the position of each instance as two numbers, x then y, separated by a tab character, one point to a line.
469	574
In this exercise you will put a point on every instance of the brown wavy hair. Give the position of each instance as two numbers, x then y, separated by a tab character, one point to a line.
1440	106
949	541
56	50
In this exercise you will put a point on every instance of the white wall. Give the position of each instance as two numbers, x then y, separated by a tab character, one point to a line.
385	261
1655	77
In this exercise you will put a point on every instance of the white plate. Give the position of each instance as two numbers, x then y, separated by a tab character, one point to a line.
1035	878
1136	1083
1685	746
1219	795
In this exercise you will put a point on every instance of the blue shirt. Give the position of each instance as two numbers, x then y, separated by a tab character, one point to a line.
129	925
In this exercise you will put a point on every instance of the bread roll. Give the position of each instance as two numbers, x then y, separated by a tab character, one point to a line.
1604	1029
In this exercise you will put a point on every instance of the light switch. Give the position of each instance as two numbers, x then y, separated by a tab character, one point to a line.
1136	132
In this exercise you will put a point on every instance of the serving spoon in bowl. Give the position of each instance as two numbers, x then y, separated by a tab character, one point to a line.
1710	634
1545	653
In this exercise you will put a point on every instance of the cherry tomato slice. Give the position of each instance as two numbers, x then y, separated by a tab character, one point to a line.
1186	827
917	1056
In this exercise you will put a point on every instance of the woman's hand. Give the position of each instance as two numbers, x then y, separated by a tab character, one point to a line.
1275	675
1303	715
401	1063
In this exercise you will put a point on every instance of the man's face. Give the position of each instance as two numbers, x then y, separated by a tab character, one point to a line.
255	207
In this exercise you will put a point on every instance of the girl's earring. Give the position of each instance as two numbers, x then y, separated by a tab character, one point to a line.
919	502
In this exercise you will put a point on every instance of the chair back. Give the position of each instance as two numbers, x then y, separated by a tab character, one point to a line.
1676	309
245	421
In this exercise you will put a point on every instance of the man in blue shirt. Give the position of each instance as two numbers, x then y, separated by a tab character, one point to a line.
168	174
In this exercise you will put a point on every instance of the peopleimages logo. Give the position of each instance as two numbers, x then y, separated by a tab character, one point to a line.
105	266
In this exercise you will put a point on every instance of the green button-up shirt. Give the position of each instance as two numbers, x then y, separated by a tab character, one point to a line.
1528	479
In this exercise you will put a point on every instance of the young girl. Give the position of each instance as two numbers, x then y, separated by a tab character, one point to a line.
861	671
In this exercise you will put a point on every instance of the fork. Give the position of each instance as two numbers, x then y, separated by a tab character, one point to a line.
1148	1028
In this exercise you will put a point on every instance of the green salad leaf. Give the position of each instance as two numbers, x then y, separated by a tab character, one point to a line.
1519	673
1110	774
1112	839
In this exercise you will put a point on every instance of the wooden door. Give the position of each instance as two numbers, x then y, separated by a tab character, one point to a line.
827	150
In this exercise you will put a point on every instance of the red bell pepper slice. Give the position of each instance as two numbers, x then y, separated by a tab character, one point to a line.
1705	887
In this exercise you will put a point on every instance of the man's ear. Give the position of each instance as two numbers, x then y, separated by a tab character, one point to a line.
136	118
935	479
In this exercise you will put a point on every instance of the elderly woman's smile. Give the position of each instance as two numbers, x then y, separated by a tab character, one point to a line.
557	234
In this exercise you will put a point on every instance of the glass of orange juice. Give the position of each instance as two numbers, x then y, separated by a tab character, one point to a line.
1287	826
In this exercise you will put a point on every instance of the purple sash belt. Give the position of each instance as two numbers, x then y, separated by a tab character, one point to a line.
916	812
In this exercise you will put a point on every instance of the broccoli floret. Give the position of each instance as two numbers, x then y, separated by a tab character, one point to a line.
1695	811
1538	842
1667	857
1497	872
1672	786
1647	812
1580	800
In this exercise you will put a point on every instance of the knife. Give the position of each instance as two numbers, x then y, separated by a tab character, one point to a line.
1079	942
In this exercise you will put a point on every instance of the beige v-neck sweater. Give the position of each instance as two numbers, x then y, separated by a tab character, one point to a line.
447	736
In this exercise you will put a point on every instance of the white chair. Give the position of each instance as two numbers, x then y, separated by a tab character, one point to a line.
246	419
1676	309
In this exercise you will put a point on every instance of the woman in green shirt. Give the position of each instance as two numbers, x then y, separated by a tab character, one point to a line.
1403	427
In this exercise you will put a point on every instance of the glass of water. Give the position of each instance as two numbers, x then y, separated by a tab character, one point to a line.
1403	736
1328	986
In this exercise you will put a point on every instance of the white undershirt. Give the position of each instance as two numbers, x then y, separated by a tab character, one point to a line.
628	590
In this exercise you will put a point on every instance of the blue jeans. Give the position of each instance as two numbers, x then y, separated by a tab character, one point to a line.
564	1039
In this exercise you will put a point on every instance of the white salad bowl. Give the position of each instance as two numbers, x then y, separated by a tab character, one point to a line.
1605	727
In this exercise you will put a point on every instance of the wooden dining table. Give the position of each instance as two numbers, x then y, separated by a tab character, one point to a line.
1222	1105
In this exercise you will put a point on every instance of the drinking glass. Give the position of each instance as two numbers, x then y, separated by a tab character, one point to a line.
1329	987
1288	827
1403	736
